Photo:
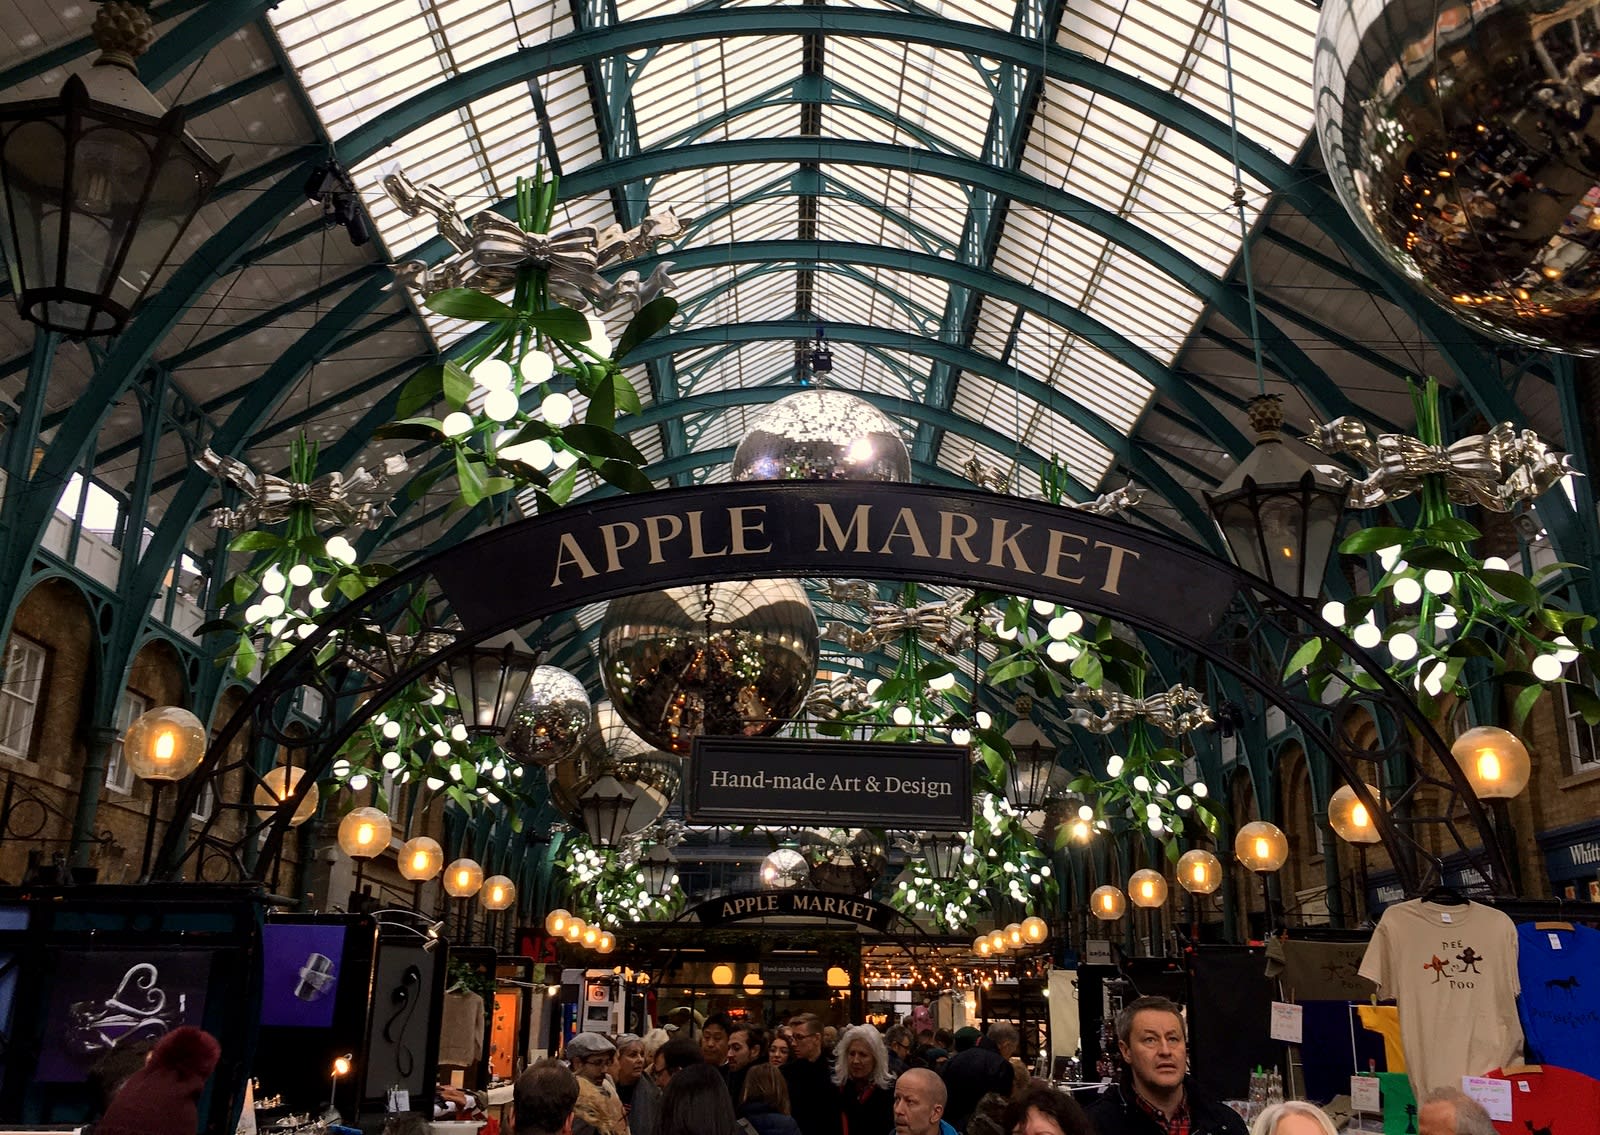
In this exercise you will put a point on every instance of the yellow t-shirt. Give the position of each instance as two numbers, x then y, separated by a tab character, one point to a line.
1385	1021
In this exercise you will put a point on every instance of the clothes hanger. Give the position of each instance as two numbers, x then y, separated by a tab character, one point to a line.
1441	893
1554	925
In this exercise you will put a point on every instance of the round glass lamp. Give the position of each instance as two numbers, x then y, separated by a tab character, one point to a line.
722	975
607	942
463	879
498	893
997	941
591	936
421	858
555	923
752	983
1107	903
280	784
574	930
1147	889
1261	847
165	744
837	977
1034	930
364	833
1349	818
981	947
1014	939
1199	872
1494	761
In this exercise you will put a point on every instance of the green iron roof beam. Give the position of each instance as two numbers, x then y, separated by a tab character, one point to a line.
1319	259
927	320
249	85
255	323
82	47
1012	291
383	323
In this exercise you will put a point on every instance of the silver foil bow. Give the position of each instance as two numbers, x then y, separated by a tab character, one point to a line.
1497	469
1174	711
1111	503
984	477
937	623
361	501
838	696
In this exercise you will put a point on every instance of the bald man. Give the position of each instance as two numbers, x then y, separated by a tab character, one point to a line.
919	1104
1450	1111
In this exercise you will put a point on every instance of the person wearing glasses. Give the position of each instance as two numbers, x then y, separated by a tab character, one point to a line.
812	1099
672	1058
598	1110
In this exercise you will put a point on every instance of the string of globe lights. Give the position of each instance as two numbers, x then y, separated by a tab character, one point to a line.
564	926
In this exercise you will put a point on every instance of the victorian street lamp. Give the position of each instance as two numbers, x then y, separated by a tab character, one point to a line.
463	879
1263	848
1199	873
363	834
1351	822
421	858
99	184
1278	513
1033	763
161	747
1148	890
605	809
490	679
657	869
1496	765
941	851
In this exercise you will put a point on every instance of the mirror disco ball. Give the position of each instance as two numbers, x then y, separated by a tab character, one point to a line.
611	747
551	720
1463	140
825	435
785	869
846	864
673	672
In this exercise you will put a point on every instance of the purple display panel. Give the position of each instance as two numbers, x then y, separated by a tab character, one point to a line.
300	973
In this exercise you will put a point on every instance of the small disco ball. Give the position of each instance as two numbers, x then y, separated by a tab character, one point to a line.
1463	140
784	869
843	862
733	659
552	719
611	748
825	435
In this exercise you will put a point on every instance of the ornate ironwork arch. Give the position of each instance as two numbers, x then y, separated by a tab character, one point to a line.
542	567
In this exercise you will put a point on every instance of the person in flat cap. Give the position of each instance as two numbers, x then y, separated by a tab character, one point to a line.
598	1111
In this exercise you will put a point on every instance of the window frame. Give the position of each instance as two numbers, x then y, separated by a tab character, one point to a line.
1576	728
119	776
39	654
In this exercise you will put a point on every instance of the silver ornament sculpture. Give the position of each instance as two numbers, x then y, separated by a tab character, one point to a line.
822	434
733	659
1463	141
785	869
611	748
552	719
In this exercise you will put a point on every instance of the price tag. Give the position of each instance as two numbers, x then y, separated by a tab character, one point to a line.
1288	1022
1494	1095
1365	1095
1098	952
399	1100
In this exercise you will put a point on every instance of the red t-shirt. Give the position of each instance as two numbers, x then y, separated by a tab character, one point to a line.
1546	1100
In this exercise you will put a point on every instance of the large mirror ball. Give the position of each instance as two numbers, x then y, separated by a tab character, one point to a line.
1463	139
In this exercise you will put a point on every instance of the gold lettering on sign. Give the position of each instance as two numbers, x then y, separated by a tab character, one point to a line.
697	539
615	546
999	543
1056	553
658	530
828	522
1114	568
949	537
568	554
741	526
905	528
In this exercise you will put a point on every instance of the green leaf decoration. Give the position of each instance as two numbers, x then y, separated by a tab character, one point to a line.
1303	657
464	303
623	393
469	479
1374	540
601	443
421	390
457	385
1426	558
602	411
1451	529
629	478
1585	702
1010	671
1513	586
648	320
560	490
255	542
1523	705
560	323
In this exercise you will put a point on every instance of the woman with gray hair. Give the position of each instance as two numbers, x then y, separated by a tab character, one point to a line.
1293	1118
861	1073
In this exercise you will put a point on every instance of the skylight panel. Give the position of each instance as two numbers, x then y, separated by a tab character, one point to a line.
1016	415
671	92
939	205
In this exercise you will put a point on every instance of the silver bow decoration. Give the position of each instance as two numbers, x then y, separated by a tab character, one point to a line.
492	249
1177	710
984	477
1497	469
361	501
937	623
838	696
850	591
1111	503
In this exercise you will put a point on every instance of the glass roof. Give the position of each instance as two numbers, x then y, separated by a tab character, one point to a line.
1102	273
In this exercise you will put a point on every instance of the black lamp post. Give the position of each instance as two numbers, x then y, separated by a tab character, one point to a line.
1278	514
941	851
1033	764
605	809
99	185
490	679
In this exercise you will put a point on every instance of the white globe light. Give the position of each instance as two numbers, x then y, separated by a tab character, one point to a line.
1333	613
1199	788
599	340
456	423
960	736
492	374
358	781
272	583
1496	563
441	748
1061	652
1114	765
391	760
1154	824
983	719
902	715
300	575
1006	633
1388	557
1141	783
1402	646
391	729
1446	618
556	409
1407	590
1546	667
252	613
536	453
536	367
1184	802
1437	581
1085	812
500	405
434	783
1044	606
273	606
565	459
1074	621
458	732
341	549
1057	627
1367	635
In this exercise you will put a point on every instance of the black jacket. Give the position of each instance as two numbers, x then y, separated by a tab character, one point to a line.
971	1075
1116	1112
869	1115
813	1100
767	1120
